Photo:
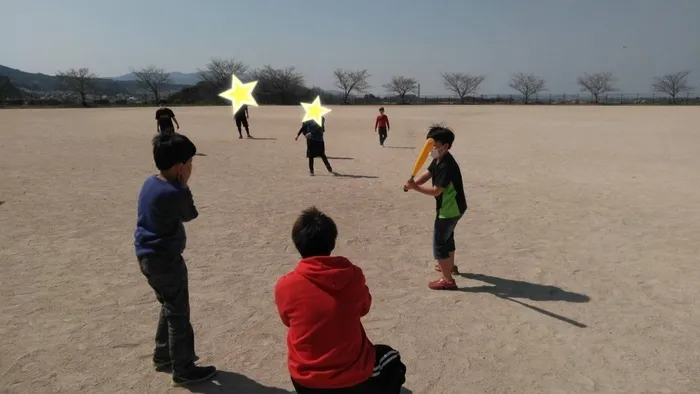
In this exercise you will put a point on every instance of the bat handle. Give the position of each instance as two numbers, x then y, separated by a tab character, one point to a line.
405	189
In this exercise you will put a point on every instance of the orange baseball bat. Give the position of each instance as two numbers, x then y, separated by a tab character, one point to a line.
420	160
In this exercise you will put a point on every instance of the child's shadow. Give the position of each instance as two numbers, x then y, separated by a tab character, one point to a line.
520	289
234	383
230	382
508	289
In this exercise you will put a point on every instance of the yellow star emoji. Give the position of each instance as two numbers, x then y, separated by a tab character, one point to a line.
314	111
240	93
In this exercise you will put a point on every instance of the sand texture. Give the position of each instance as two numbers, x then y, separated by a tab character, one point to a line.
580	248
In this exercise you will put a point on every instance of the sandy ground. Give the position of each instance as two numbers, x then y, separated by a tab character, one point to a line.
581	245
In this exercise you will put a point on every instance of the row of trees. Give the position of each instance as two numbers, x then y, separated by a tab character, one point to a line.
287	85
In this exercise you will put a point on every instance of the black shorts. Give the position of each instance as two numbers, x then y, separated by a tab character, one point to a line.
444	237
388	377
315	148
241	121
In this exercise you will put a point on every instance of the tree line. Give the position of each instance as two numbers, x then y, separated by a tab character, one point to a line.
288	86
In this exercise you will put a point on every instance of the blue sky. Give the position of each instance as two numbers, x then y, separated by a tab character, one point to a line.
558	40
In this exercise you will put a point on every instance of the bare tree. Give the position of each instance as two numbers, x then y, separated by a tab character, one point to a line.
672	84
527	84
462	84
153	79
597	84
80	81
401	86
351	81
218	72
278	85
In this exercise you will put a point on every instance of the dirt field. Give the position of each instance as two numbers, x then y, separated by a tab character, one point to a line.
581	244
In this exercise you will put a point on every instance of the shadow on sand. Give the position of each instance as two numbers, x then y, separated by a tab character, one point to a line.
226	382
399	147
340	158
2	202
509	289
262	139
339	175
200	154
230	382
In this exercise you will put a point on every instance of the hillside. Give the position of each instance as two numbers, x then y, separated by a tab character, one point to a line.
46	83
8	91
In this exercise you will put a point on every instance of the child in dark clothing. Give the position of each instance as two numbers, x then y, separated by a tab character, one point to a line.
322	302
315	146
165	118
165	203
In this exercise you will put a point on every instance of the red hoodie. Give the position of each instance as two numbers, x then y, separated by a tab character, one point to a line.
321	302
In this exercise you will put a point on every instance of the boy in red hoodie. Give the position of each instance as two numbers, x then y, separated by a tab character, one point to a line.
322	302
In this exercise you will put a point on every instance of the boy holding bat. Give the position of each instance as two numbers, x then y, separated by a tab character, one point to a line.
450	203
322	302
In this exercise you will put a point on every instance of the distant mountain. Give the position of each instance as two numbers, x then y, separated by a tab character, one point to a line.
177	78
47	83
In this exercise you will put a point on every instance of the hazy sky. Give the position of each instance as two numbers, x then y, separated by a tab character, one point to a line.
556	39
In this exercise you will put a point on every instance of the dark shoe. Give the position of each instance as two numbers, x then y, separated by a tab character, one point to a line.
311	173
161	364
194	375
250	136
240	137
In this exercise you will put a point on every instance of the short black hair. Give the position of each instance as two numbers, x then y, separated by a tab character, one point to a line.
381	108
314	233
170	149
441	133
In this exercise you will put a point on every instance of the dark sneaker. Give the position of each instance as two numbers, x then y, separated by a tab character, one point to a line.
250	136
311	173
240	137
442	284
194	375
455	270
162	364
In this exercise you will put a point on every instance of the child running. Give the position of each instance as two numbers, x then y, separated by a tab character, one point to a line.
450	202
322	302
315	146
241	117
382	126
164	204
165	118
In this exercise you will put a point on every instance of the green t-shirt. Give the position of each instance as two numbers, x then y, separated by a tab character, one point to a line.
446	174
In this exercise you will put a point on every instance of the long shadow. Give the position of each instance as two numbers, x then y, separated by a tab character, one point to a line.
234	383
200	154
339	175
340	158
510	289
2	202
399	147
263	139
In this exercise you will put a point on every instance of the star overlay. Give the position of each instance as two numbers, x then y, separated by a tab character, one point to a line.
240	94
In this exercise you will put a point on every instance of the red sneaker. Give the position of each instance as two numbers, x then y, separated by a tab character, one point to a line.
455	270
442	284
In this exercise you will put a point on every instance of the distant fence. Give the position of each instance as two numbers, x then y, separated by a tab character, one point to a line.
329	99
541	99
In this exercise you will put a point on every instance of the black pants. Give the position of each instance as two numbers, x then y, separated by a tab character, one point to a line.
383	133
325	161
242	120
388	377
167	275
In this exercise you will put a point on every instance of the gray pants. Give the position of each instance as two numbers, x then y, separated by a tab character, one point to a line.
167	275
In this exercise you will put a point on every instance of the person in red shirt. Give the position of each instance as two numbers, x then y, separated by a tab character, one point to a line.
322	302
382	126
